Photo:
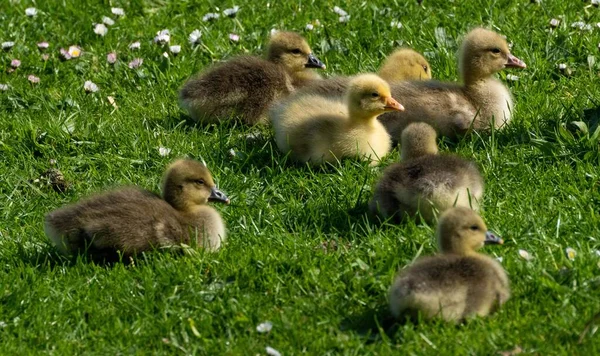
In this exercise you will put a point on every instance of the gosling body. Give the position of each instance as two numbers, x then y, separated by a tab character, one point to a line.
131	220
320	129
246	86
480	103
425	182
456	284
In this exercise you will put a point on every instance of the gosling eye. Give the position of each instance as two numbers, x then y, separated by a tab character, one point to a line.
495	50
199	181
474	227
296	51
425	68
375	94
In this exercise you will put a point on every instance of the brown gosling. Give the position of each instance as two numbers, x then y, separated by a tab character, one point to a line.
246	86
425	182
132	220
319	129
459	282
453	109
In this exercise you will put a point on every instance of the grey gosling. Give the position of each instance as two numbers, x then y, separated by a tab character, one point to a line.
246	86
459	282
453	109
424	181
132	220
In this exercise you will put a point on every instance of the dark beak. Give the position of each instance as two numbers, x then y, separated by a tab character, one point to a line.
218	196
514	62
492	239
314	62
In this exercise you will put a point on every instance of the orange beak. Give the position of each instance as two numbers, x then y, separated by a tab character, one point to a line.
392	105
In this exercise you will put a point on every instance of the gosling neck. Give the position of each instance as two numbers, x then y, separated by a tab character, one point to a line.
417	149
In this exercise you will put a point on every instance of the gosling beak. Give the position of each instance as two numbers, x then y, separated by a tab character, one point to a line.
492	239
514	62
314	62
392	105
218	196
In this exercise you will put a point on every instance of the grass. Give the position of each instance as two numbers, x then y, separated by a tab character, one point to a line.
542	193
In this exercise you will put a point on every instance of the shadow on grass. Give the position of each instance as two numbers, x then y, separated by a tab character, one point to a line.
373	325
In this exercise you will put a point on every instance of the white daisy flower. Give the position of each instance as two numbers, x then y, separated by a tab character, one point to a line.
525	255
264	327
3	87
90	87
175	49
272	352
554	22
339	11
163	151
273	31
108	21
100	29
7	45
43	45
31	11
309	27
231	12
135	45
136	63
74	51
117	11
32	78
194	37
162	37
210	16
571	253
234	38
344	19
396	24
512	77
111	58
15	63
562	66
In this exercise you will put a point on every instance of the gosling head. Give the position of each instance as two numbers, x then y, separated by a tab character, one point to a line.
462	231
484	53
369	96
293	52
418	139
405	64
188	183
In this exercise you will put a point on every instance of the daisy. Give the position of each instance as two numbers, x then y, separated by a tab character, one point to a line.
31	11
309	27
32	78
163	151
210	16
135	45
111	57
108	21
194	37
74	51
43	45
231	12
117	11
100	29
175	49
234	38
162	37
3	87
15	63
90	87
264	327
136	63
7	45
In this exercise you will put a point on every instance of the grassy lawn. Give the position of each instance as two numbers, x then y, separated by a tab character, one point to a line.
302	252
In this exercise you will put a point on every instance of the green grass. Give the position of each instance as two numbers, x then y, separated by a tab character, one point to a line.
542	194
